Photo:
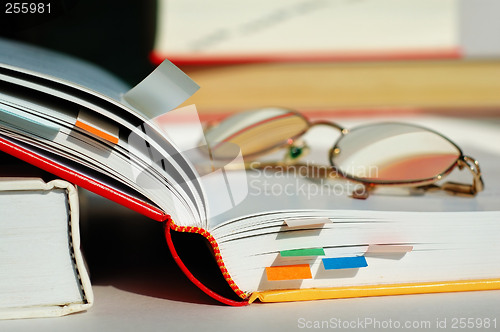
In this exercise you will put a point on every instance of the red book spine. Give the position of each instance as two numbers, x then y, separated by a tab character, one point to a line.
157	57
82	180
171	226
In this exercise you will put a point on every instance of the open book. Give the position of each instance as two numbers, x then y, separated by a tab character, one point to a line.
84	126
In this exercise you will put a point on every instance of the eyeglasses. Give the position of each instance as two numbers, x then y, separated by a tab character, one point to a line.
381	154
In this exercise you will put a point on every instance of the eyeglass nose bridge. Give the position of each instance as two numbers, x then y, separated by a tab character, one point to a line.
299	144
342	130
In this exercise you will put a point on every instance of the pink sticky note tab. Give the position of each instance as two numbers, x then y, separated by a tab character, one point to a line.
300	222
388	249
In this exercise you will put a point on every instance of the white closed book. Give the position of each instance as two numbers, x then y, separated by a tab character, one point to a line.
42	271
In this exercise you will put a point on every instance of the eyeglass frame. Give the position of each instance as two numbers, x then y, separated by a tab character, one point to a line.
427	184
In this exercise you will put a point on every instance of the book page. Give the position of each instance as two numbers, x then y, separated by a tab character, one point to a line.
60	67
266	191
160	159
140	159
282	191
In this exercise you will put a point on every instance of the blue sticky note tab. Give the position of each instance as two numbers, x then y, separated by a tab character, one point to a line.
344	263
30	123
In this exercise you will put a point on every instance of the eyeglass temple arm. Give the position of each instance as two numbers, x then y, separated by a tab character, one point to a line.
460	188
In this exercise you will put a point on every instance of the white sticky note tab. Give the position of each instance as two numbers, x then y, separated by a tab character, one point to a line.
184	139
97	126
161	91
300	222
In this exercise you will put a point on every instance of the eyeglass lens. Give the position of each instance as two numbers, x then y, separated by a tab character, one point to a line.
256	131
393	152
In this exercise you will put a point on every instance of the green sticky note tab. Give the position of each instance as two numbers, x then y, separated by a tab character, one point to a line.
303	252
18	119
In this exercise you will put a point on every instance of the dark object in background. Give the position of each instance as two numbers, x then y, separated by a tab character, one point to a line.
18	16
116	35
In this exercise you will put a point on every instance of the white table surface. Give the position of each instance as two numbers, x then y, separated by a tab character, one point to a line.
138	287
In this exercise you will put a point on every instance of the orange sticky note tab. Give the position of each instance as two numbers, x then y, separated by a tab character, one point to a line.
97	126
289	272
